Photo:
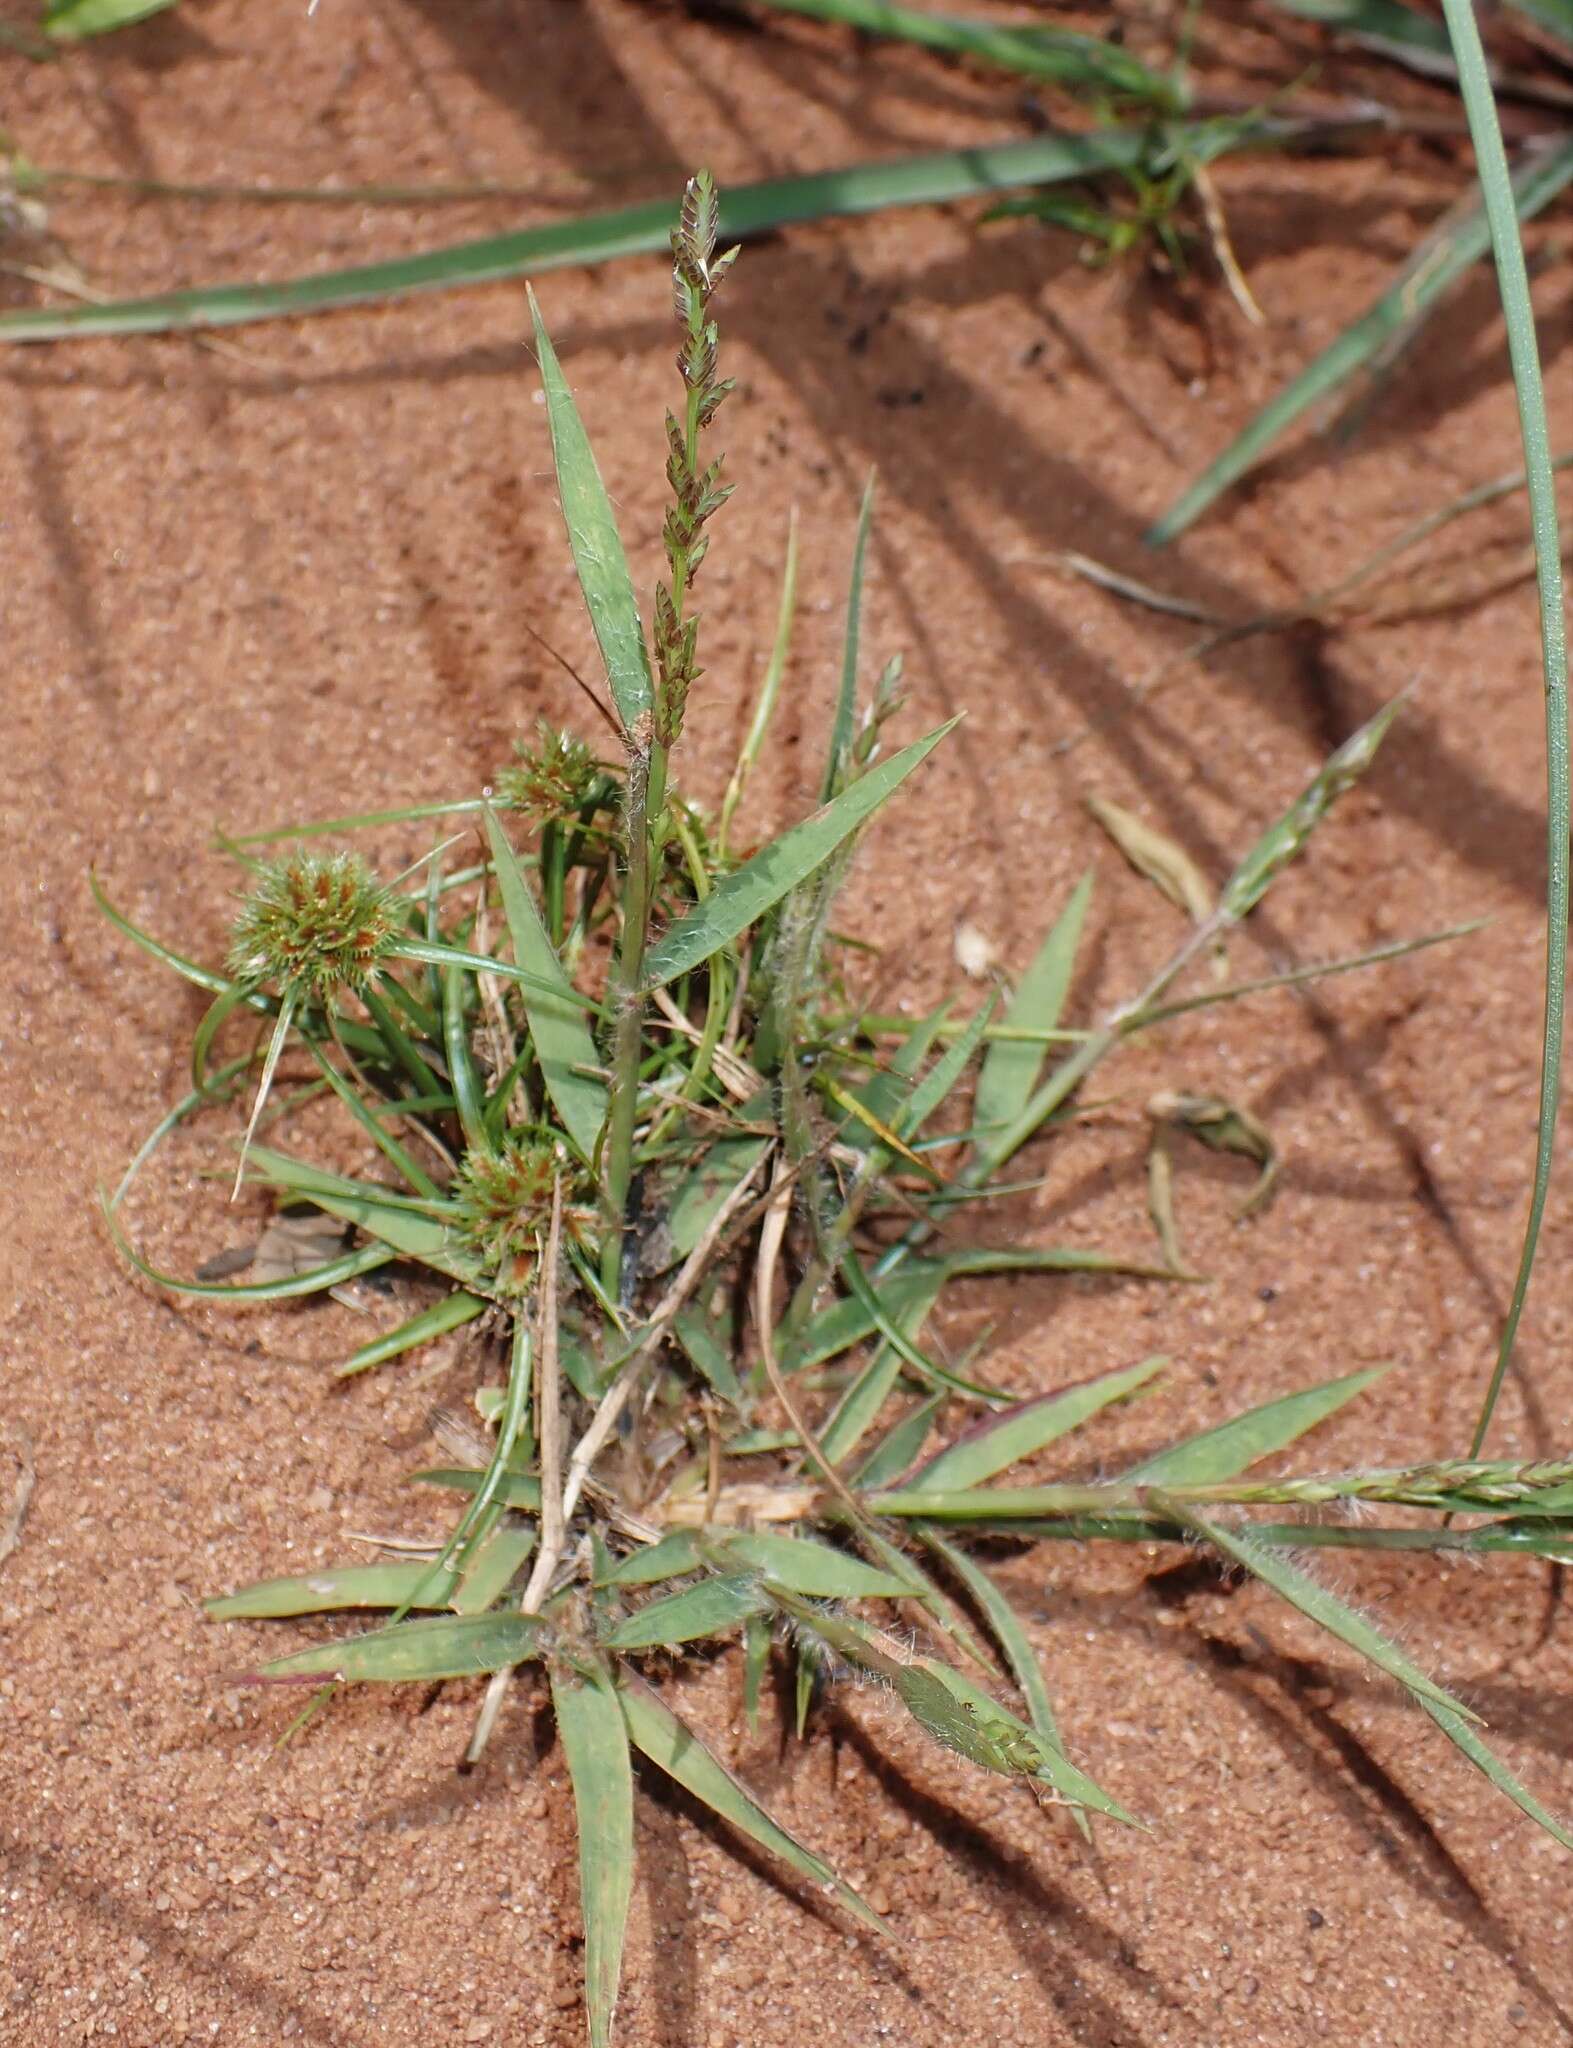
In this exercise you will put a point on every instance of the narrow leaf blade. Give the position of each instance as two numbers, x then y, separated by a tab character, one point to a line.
734	904
595	1744
1223	1453
597	546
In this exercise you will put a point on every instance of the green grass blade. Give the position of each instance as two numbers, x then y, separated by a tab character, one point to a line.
999	1441
900	1445
1288	836
928	1369
741	897
71	21
1418	286
1008	1633
388	1145
1524	355
929	180
815	1569
695	1332
769	690
839	754
492	1565
1010	1070
563	1040
451	1313
356	1585
1463	1737
438	955
462	1076
1223	1453
1556	16
453	1646
1317	1604
519	1490
1393	28
317	1280
657	1731
597	545
708	1609
675	1554
1078	62
595	1744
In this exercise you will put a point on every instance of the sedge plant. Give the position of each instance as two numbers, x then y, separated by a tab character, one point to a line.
614	1111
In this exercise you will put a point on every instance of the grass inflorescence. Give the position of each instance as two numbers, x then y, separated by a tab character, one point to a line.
608	1097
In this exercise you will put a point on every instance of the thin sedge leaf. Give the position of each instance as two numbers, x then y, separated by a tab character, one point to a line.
1320	1605
839	753
595	1743
337	1586
934	179
453	1646
1021	1431
396	1154
518	1490
929	1369
657	1731
218	1086
597	546
939	1082
849	1321
1088	63
214	1018
708	1609
316	1280
1010	1070
429	955
898	1448
451	1313
407	1231
921	1586
749	891
71	21
769	688
1403	31
1417	287
859	1408
1524	355
1225	1452
466	1085
563	1041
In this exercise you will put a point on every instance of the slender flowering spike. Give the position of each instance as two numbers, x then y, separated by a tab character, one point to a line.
697	493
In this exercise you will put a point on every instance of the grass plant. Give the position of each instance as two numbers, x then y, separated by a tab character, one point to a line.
615	1109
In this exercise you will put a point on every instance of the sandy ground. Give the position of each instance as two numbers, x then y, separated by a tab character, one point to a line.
289	575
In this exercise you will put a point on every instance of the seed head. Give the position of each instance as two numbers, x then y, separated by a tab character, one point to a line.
550	780
312	924
504	1200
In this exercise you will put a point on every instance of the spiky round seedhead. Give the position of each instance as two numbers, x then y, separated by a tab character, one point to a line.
550	780
504	1203
312	924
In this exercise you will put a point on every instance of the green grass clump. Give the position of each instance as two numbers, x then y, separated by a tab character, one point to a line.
610	1097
